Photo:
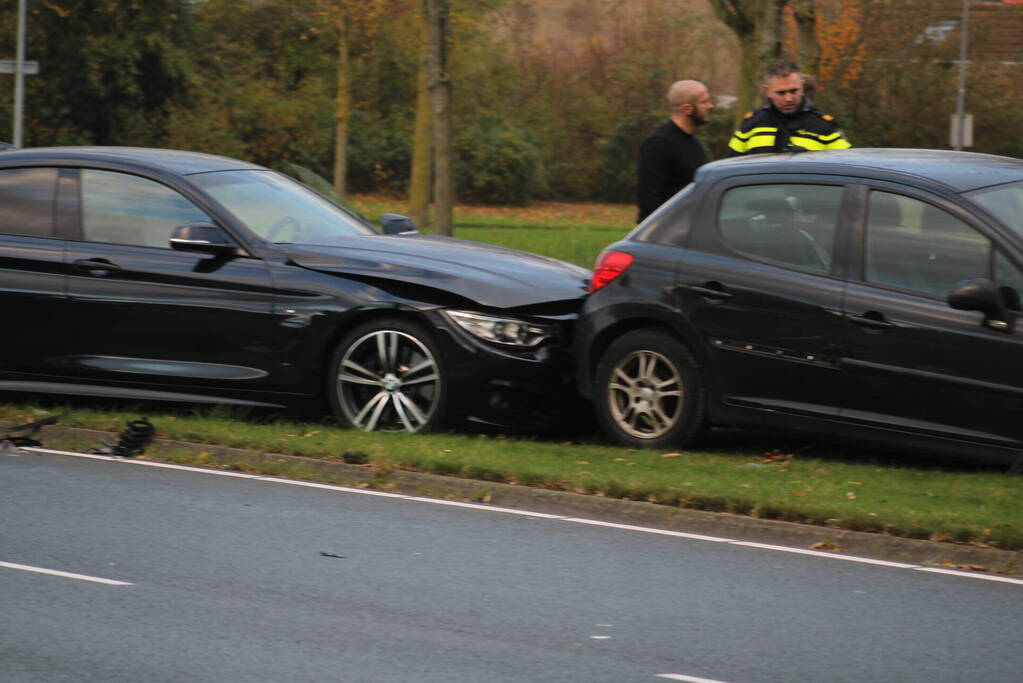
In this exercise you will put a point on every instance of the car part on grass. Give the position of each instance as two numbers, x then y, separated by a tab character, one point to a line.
355	457
132	441
31	429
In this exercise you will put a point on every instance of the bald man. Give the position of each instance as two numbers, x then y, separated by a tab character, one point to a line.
668	159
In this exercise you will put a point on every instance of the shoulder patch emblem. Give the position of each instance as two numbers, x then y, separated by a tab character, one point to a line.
827	117
748	115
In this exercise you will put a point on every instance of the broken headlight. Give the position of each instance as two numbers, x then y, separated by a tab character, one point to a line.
501	330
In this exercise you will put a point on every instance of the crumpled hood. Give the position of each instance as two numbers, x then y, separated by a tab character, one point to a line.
490	275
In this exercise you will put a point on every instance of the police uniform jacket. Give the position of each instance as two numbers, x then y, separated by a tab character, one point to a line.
769	130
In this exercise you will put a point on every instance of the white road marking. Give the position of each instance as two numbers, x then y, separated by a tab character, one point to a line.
820	553
972	575
689	679
543	515
663	532
66	575
481	506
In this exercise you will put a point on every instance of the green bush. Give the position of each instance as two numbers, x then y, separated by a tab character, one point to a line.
379	153
497	165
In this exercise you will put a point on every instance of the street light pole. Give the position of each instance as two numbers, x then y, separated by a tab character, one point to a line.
19	76
964	36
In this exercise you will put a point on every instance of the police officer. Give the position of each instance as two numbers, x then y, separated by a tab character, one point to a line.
788	122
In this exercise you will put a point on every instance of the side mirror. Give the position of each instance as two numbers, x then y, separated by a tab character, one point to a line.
202	237
982	294
396	224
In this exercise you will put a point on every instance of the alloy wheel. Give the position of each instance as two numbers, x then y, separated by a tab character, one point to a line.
645	394
388	380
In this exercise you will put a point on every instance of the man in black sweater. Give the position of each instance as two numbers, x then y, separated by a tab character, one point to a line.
670	156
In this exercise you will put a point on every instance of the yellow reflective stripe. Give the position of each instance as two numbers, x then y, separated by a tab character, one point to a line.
811	144
755	131
760	141
741	146
829	138
806	143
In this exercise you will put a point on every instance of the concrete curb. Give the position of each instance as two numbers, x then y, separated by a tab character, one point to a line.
732	526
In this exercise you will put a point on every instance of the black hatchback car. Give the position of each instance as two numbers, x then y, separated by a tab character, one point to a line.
870	294
167	275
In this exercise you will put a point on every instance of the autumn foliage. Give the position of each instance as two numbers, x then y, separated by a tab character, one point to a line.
551	98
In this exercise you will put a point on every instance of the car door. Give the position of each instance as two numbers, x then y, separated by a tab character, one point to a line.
915	364
149	315
32	300
761	284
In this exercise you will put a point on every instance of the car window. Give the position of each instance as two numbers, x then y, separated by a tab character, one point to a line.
1008	275
1005	202
27	201
125	209
279	209
792	224
670	223
918	246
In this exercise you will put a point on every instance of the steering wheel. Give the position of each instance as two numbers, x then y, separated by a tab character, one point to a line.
281	224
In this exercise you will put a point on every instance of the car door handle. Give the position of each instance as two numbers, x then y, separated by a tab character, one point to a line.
711	292
875	321
96	265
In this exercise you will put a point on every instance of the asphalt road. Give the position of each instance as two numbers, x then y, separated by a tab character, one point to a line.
248	579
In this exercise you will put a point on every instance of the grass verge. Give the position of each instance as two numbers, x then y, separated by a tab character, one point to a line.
860	493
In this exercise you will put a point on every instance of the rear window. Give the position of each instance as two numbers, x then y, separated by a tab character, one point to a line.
27	201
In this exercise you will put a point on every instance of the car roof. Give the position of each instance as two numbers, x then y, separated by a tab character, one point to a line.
958	171
167	160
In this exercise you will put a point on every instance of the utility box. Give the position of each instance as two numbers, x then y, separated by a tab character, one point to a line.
960	131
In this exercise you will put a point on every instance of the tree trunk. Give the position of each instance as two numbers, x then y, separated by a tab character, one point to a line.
437	12
757	25
342	112
808	50
419	185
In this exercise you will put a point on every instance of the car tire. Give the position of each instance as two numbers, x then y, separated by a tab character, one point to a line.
649	392
387	375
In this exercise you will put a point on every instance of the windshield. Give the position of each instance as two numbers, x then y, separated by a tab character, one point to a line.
1005	202
279	209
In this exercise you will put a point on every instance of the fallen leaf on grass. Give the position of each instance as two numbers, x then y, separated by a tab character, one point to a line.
969	567
672	455
827	545
850	495
776	456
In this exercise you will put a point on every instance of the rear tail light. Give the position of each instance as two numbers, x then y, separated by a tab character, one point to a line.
610	264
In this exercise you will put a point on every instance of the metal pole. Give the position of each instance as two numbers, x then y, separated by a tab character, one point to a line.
964	36
19	76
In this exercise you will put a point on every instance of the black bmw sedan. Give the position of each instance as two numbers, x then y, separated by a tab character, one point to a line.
871	294
167	275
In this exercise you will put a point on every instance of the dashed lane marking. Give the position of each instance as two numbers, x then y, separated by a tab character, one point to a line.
66	575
